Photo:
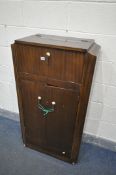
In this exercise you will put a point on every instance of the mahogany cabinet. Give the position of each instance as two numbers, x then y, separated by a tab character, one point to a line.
53	78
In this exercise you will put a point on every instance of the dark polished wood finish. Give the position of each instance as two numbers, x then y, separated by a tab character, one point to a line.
63	77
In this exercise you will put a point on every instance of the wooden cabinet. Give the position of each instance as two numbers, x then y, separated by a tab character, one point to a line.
53	78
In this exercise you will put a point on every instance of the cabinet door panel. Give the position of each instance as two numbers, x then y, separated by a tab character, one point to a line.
33	121
53	132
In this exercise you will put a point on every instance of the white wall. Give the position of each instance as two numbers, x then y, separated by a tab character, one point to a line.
86	19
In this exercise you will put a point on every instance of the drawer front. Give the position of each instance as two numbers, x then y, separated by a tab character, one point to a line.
52	131
53	63
27	59
66	65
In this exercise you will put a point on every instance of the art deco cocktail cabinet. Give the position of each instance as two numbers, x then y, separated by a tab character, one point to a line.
53	79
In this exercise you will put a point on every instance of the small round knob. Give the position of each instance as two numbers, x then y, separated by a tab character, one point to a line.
48	54
39	98
63	152
53	102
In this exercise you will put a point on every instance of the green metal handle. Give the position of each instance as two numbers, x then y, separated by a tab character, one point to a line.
44	109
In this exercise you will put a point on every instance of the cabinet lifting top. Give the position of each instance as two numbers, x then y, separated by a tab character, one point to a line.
61	42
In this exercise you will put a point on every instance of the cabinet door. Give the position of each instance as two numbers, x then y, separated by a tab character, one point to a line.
52	133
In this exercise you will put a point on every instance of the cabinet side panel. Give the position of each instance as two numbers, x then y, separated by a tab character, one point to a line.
14	56
90	61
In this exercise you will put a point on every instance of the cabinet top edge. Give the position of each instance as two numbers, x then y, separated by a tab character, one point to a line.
61	42
94	50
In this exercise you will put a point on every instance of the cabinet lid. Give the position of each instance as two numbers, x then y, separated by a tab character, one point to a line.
60	42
